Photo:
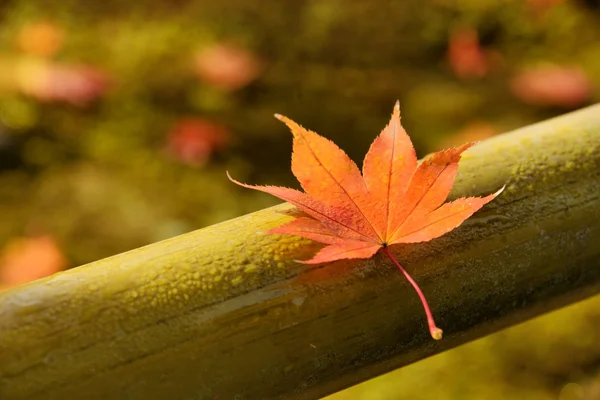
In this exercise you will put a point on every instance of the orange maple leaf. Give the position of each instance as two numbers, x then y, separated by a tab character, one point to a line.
395	200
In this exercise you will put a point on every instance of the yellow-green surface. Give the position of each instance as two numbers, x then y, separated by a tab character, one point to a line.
225	311
552	357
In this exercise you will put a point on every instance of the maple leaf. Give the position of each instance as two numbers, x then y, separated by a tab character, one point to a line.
395	200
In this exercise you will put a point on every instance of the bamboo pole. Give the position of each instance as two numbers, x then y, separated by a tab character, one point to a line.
225	313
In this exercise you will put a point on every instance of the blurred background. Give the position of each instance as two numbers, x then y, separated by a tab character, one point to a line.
118	121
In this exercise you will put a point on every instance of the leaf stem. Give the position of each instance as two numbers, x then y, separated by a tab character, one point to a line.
435	332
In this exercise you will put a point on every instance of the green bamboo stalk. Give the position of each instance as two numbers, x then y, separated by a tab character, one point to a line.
226	313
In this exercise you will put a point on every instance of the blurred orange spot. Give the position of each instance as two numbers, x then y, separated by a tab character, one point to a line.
42	39
552	85
78	85
194	140
227	66
29	258
465	55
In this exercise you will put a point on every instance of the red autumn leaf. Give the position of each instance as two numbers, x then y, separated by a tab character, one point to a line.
395	200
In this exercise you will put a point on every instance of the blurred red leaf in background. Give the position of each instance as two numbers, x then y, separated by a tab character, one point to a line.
227	66
552	85
467	58
41	39
78	85
194	140
25	259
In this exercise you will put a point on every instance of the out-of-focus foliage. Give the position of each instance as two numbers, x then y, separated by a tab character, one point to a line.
118	120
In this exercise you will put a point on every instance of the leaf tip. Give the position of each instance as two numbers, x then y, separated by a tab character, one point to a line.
396	112
233	180
290	124
465	147
311	261
500	191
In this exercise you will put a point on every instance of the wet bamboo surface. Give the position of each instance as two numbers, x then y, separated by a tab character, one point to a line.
226	313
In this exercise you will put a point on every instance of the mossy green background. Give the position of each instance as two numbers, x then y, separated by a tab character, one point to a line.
99	181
